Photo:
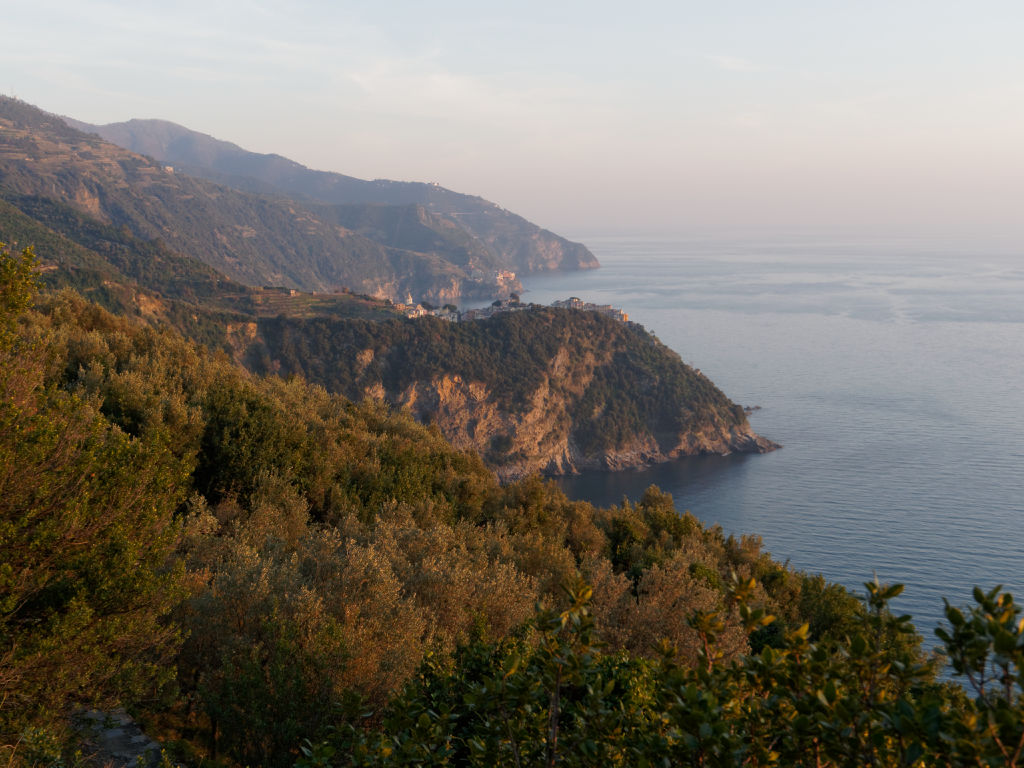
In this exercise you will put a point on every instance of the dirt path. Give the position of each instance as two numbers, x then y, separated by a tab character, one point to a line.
117	740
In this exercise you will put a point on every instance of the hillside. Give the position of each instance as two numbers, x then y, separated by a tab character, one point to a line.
542	390
53	172
172	527
508	241
267	574
146	279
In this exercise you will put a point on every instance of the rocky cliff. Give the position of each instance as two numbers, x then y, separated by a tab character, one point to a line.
541	438
541	390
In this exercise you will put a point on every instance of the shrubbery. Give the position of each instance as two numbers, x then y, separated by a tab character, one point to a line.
253	562
557	697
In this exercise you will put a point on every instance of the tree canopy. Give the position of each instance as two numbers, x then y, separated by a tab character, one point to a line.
270	573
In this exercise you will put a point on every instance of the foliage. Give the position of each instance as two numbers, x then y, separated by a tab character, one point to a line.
18	282
85	534
328	547
986	647
267	563
862	700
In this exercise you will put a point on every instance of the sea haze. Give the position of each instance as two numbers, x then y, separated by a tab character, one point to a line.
892	374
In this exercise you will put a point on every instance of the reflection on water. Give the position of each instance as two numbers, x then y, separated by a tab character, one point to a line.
687	477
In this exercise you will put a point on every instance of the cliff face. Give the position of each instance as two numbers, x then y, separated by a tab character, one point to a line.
543	390
541	440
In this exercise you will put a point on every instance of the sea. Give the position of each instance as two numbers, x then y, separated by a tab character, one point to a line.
890	370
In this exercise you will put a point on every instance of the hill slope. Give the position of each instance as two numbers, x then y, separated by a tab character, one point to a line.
399	253
509	241
248	563
544	390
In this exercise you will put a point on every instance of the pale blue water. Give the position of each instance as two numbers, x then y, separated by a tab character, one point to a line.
891	372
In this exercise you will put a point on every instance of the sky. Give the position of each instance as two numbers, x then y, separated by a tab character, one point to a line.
899	118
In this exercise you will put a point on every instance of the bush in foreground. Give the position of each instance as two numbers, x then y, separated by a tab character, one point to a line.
556	699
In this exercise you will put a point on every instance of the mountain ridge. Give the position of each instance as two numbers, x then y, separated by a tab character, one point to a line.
511	240
407	253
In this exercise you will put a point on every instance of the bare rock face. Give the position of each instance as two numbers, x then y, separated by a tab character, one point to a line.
540	438
517	444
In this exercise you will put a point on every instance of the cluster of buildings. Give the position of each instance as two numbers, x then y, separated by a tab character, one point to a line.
605	309
501	305
447	312
501	277
512	304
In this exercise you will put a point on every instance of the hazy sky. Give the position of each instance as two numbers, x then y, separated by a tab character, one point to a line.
586	117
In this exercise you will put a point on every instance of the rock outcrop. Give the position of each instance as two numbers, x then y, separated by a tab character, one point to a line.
541	390
540	439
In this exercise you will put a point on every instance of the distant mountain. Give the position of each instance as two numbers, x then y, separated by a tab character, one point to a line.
76	186
510	241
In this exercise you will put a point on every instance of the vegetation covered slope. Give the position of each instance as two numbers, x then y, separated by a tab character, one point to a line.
148	280
543	389
505	240
268	573
245	555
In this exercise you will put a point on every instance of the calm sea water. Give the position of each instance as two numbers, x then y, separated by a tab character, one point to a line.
891	372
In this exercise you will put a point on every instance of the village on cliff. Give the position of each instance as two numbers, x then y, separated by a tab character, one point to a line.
512	304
